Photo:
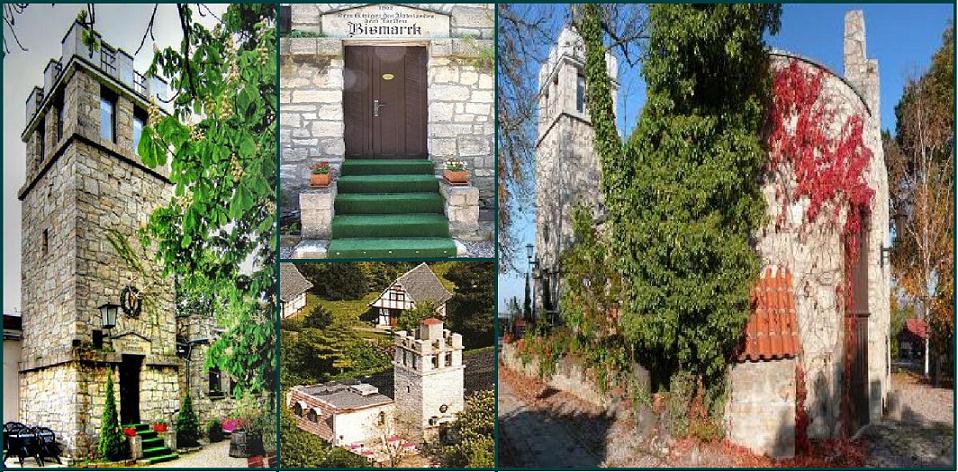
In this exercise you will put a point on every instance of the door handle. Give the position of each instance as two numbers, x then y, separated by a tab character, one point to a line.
377	105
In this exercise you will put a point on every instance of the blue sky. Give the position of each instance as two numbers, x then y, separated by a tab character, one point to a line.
901	36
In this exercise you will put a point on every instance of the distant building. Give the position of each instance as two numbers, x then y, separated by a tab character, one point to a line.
419	285
12	335
428	390
292	290
911	339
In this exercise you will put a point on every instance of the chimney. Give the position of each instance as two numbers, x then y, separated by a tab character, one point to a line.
860	71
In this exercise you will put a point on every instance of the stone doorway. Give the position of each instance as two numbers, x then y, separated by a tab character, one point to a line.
130	368
384	101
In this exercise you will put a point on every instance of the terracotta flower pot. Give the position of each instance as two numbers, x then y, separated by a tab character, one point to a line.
456	177
319	180
160	428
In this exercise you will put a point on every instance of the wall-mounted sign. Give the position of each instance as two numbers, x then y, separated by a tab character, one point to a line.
384	21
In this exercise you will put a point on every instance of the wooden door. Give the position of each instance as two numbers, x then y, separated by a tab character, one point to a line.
384	101
860	416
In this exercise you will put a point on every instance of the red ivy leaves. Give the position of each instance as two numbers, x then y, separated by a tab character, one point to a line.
830	172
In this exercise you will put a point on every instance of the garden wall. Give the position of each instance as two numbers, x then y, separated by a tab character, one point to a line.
569	376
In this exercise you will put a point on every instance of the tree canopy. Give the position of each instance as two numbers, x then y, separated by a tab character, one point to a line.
683	195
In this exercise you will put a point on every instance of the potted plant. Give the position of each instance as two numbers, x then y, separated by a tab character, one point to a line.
320	175
246	440
214	430
160	426
455	172
129	432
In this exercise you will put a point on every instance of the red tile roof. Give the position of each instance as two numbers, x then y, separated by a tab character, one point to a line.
431	321
916	327
772	330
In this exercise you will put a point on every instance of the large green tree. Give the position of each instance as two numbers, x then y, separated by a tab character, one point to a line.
683	196
471	310
219	142
921	174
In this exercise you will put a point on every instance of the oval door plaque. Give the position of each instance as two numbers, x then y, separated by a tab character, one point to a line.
388	76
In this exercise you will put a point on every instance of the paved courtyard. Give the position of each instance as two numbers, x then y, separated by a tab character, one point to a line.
540	427
214	455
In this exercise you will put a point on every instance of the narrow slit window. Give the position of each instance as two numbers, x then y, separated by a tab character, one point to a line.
580	93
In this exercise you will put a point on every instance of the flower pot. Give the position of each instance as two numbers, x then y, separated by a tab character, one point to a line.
319	180
456	177
160	428
245	443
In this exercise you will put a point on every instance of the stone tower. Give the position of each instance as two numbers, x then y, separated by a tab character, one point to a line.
84	182
428	377
567	169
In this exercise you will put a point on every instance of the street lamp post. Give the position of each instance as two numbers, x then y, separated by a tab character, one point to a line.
530	253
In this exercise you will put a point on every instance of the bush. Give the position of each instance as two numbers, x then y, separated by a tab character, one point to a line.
187	424
473	428
214	430
112	444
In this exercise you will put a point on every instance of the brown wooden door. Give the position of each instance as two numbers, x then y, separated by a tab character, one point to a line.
384	101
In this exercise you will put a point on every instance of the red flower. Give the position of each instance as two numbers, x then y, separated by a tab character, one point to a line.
129	432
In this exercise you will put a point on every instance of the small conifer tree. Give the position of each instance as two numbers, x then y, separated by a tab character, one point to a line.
187	424
112	444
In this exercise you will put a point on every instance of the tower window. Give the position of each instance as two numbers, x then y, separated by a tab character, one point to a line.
45	242
435	362
107	114
448	359
408	389
139	120
580	93
61	116
41	141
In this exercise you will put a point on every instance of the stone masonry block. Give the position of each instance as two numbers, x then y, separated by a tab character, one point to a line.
316	212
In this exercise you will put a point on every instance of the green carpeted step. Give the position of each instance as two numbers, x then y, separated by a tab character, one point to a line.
391	248
156	452
152	442
383	158
390	226
388	203
387	183
158	459
387	166
147	434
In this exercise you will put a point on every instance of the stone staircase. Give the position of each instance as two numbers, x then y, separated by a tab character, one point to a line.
154	451
389	208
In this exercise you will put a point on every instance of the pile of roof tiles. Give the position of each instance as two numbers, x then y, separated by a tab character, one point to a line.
772	329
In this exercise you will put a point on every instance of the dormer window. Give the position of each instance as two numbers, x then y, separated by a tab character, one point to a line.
41	141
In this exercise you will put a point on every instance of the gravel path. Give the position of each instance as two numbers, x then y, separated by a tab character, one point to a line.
920	434
212	455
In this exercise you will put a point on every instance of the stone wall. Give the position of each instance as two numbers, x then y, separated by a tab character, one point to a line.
760	412
460	97
568	377
207	406
814	255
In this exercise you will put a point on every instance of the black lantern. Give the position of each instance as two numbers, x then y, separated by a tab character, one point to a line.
108	315
529	252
